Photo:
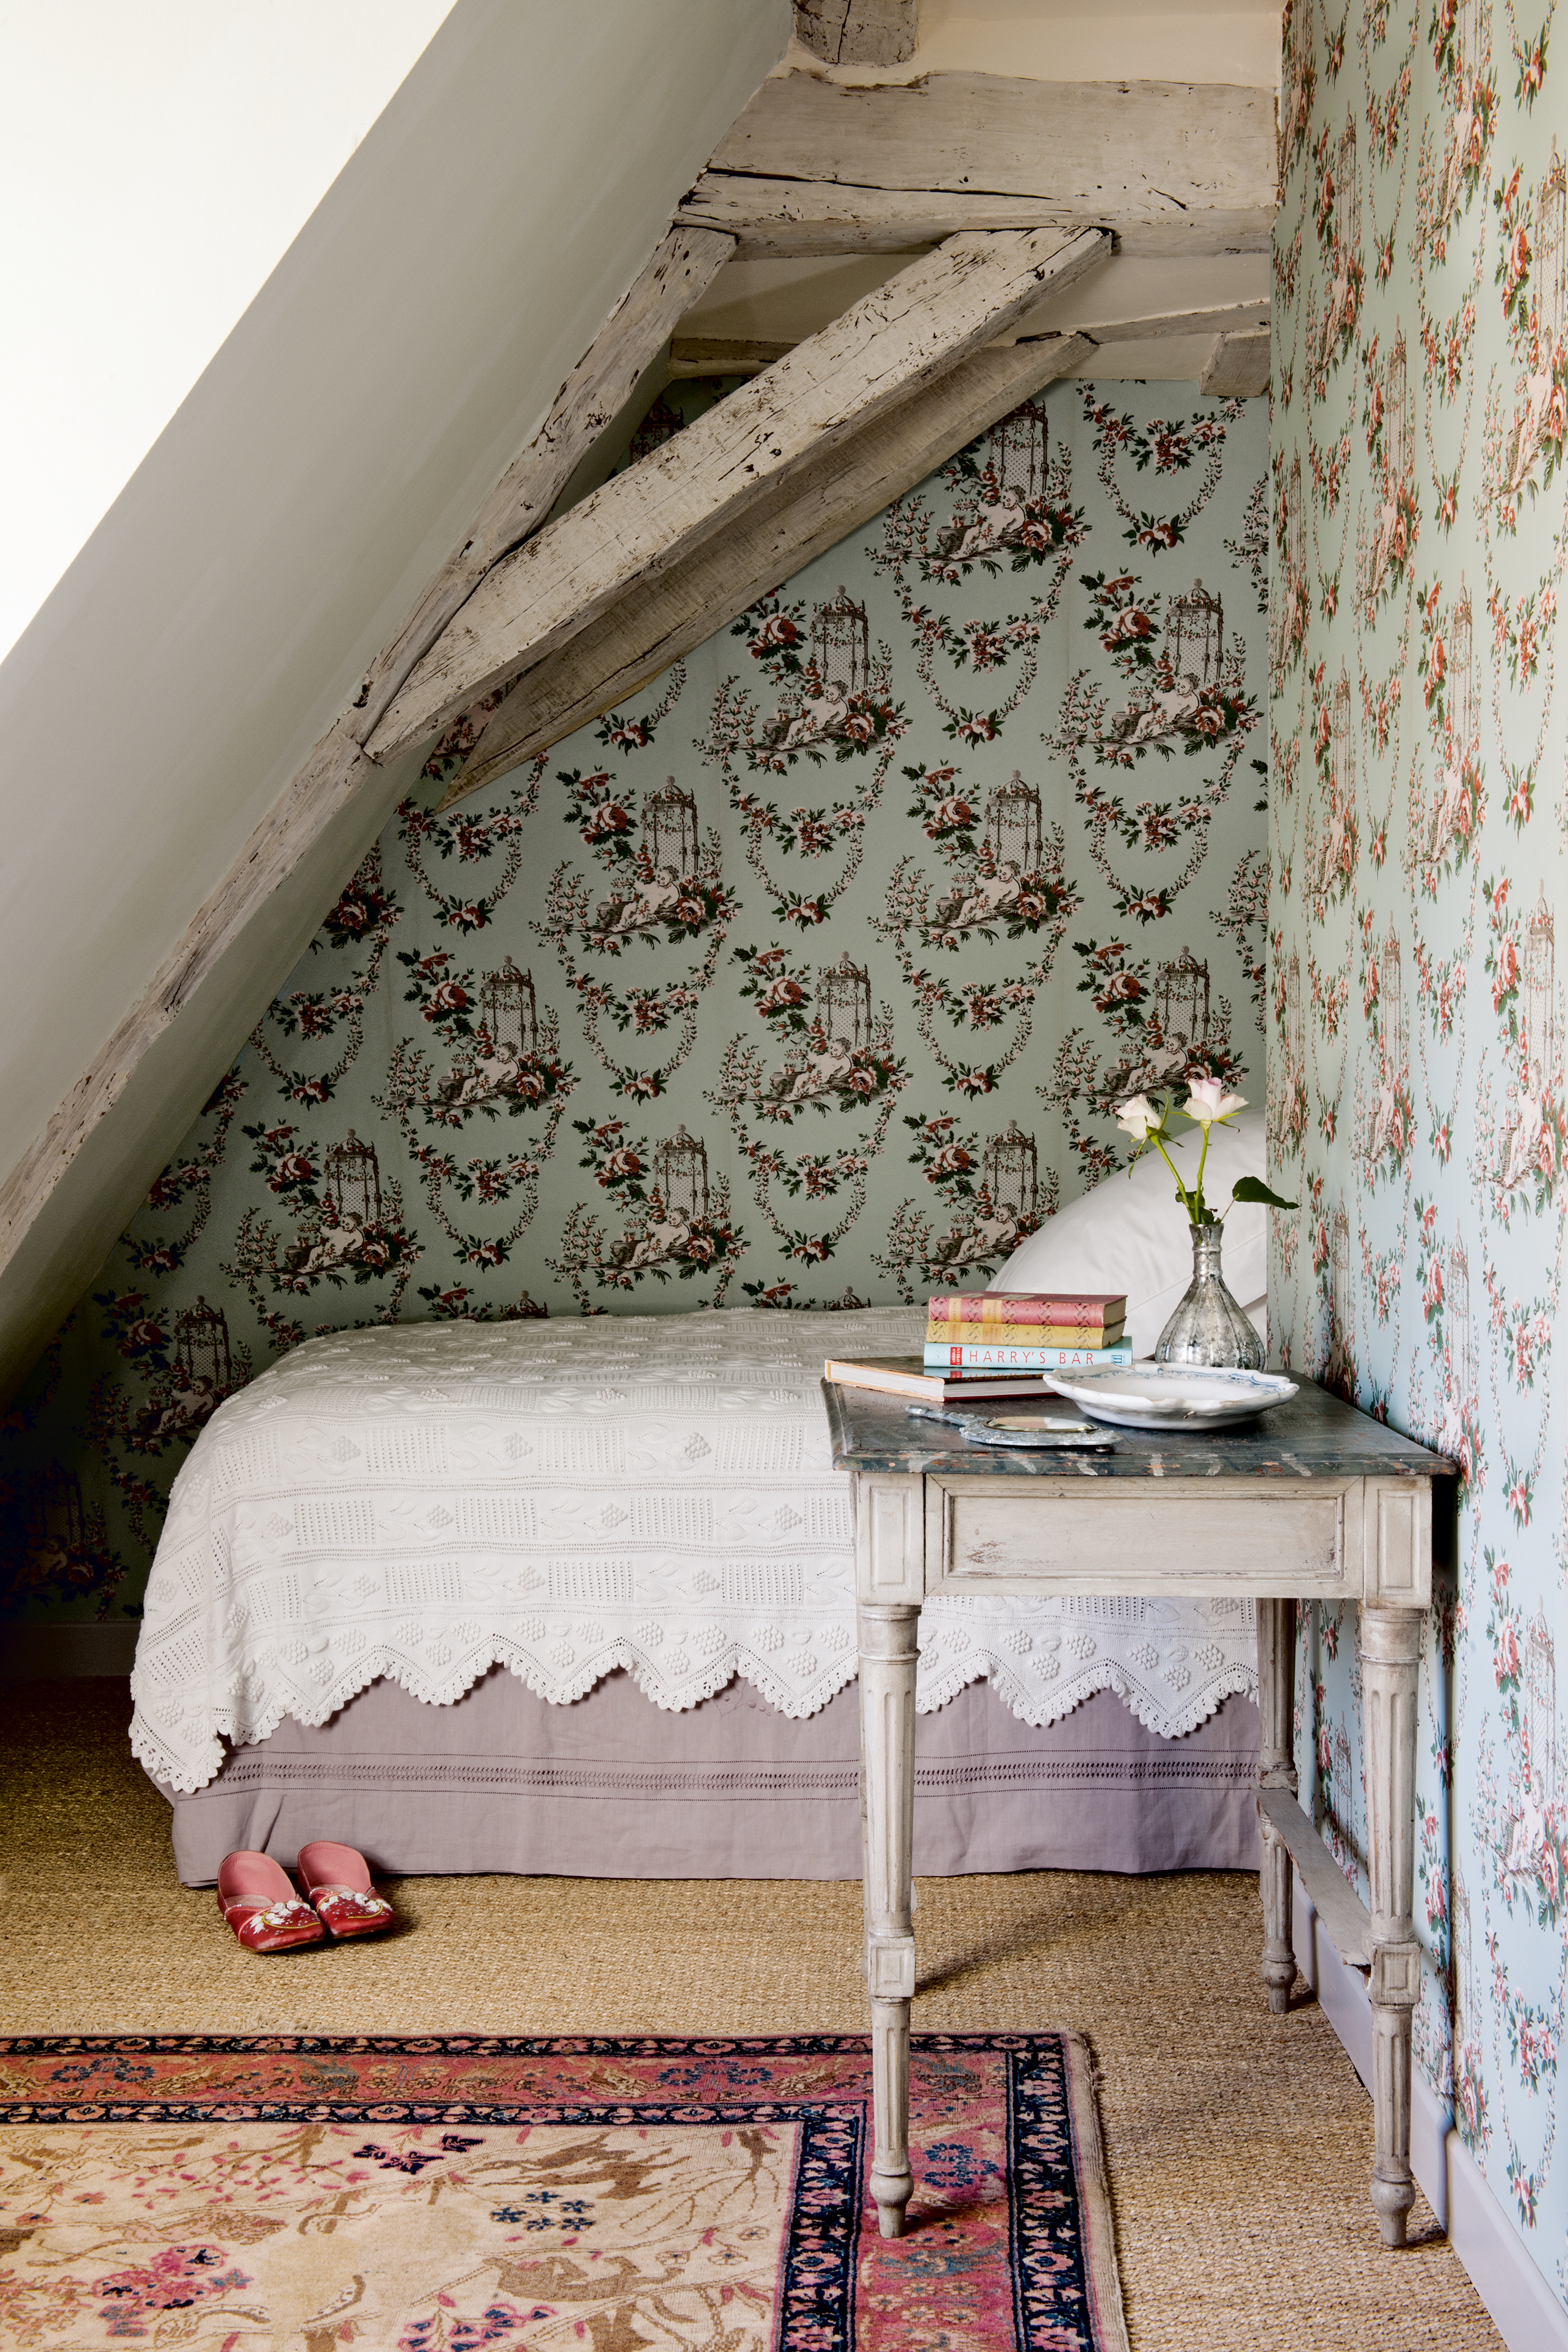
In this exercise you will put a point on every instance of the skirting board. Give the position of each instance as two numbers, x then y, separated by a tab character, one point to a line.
1525	2312
64	1652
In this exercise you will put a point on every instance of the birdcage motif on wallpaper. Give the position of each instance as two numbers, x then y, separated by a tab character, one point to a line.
1538	1002
843	1002
1464	1959
201	1357
1194	635
1013	826
1346	198
1181	1001
1470	51
1010	1171
1339	1281
1341	747
1397	450
660	424
1390	1007
1295	1035
1540	1708
1019	450
508	1011
1461	1337
1551	260
354	1181
53	1522
670	830
680	1173
841	648
1462	726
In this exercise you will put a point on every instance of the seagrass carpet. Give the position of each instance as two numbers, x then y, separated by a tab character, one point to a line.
441	2193
1238	2145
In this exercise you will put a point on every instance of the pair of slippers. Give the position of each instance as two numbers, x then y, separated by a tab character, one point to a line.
266	1915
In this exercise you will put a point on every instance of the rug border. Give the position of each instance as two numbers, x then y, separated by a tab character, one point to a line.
1097	2218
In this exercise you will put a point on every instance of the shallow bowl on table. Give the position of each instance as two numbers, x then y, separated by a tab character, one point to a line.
1172	1396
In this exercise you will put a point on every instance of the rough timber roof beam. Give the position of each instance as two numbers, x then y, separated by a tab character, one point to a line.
1231	324
809	512
813	167
933	314
858	32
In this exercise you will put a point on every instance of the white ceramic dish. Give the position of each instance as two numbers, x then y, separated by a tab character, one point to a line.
1172	1396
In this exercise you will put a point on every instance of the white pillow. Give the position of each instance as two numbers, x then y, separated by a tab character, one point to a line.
1130	1232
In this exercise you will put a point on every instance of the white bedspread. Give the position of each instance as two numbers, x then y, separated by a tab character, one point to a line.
564	1497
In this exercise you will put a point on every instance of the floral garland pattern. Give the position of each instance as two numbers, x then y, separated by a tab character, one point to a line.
1417	1099
803	979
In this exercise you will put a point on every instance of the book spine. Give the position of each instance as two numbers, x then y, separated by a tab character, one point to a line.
1018	1335
998	1357
1083	1313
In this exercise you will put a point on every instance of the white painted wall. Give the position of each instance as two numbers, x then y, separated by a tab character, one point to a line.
156	163
279	530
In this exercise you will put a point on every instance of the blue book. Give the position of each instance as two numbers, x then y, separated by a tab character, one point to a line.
976	1356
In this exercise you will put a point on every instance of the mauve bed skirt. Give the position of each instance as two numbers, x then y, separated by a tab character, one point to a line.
614	1786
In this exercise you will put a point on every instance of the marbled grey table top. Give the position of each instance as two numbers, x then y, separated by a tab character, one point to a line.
1313	1435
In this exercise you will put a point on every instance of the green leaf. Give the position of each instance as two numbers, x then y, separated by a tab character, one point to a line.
1252	1188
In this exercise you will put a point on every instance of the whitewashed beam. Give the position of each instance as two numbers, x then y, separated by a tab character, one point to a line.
634	336
712	355
914	329
858	32
696	355
1169	166
1238	366
810	512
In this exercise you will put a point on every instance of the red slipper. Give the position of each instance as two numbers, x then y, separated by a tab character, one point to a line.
261	1906
336	1878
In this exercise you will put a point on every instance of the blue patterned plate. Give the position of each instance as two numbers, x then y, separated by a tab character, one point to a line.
1172	1396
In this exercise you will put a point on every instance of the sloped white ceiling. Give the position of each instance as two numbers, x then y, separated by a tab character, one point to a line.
278	533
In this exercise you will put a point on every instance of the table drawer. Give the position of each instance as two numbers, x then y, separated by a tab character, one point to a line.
1073	1534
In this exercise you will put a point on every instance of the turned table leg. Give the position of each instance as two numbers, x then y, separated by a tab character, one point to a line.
888	1642
1390	1643
1276	1769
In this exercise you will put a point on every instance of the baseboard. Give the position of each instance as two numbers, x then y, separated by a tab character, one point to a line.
65	1652
1523	2308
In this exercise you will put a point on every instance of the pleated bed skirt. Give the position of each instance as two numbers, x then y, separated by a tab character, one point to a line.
614	1786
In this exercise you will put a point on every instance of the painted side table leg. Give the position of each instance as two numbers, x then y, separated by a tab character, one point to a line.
1390	1643
888	1641
1276	1769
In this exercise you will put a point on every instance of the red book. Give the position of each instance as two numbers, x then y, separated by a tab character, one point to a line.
1086	1312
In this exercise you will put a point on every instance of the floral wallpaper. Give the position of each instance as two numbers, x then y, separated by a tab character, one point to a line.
805	980
1415	871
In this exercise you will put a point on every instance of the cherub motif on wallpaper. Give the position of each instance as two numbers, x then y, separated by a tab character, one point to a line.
679	1220
996	1190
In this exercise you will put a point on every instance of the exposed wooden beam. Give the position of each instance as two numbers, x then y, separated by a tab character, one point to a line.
923	322
1169	166
797	520
711	355
1238	366
858	32
681	269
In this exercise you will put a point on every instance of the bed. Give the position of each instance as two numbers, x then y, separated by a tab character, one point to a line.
576	1595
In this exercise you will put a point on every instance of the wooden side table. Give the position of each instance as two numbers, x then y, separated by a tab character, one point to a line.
1312	1501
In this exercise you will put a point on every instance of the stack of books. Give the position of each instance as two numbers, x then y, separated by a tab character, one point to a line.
986	1344
1025	1330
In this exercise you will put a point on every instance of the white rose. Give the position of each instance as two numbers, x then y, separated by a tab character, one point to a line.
1209	1101
1137	1115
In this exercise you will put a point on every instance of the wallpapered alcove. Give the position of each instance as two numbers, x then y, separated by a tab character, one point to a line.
807	978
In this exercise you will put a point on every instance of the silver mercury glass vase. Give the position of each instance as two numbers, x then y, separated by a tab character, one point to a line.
1207	1326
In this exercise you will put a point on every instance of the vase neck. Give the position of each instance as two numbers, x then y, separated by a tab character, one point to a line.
1205	1242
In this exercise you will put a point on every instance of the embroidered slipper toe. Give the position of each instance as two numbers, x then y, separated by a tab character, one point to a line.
336	1878
261	1906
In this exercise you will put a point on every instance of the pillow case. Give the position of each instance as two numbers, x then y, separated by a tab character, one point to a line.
1131	1234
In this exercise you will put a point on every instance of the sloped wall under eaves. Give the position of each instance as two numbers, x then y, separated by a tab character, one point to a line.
275	538
1415	1012
808	978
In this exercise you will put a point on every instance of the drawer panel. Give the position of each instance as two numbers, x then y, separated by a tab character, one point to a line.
1071	1535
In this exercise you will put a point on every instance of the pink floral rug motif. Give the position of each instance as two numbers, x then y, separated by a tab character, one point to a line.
442	2193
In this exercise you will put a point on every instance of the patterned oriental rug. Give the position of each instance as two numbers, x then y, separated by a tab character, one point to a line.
443	2193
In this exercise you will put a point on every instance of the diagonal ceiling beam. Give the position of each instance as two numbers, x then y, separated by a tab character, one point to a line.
803	518
921	324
